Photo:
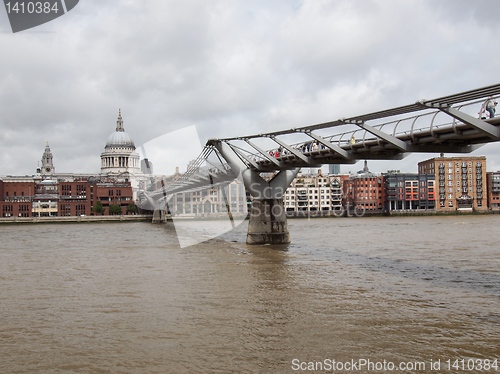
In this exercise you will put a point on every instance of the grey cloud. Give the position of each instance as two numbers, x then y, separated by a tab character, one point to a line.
228	67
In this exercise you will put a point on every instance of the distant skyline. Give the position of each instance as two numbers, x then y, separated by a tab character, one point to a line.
231	68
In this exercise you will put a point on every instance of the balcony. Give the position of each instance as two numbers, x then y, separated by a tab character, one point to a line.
19	199
77	197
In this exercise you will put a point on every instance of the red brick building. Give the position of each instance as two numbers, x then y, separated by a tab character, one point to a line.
75	196
112	193
364	193
16	197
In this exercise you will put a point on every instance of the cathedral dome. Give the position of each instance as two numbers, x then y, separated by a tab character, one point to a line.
120	138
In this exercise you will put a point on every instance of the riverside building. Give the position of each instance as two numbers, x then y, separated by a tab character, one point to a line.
409	192
460	182
211	201
493	188
62	196
364	192
314	193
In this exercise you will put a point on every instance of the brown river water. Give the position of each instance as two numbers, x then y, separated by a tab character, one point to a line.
126	298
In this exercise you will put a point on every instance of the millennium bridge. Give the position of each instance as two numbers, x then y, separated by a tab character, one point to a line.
456	123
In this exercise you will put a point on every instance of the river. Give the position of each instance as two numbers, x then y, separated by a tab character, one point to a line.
126	298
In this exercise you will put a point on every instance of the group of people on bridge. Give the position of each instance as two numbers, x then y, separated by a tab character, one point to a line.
304	148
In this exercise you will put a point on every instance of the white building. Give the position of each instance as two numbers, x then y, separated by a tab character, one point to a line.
211	201
314	193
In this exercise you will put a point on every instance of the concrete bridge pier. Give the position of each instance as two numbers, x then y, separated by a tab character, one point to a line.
159	216
268	224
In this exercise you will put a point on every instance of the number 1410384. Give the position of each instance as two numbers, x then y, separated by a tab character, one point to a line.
475	365
31	7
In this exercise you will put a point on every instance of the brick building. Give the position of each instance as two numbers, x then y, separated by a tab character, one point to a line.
460	182
364	192
16	197
68	196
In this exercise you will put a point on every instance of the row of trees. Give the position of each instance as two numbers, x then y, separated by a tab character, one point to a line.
114	209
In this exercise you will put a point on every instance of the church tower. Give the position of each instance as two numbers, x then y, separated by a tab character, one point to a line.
47	168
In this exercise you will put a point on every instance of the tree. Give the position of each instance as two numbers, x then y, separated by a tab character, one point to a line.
115	209
98	208
131	208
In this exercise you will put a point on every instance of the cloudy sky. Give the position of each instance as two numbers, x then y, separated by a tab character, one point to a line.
231	68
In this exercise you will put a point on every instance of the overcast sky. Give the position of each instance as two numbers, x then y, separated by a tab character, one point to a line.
231	68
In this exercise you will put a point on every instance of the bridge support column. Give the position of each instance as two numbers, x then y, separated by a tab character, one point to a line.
159	216
268	216
268	223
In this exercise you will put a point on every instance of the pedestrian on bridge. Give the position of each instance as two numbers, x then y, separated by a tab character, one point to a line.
490	105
